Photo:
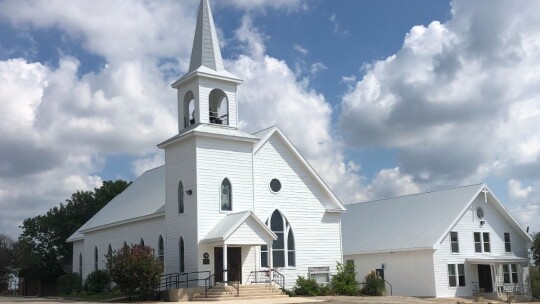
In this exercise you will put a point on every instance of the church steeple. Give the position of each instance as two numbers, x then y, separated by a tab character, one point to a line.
205	51
207	92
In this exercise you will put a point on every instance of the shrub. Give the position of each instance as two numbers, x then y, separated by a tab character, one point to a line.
135	271
535	282
96	282
344	282
374	285
69	283
306	287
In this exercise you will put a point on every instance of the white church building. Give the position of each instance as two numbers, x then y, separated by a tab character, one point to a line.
225	199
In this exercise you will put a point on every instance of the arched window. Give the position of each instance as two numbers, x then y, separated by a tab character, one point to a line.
95	258
180	197
181	257
161	252
219	107
226	195
109	252
141	242
189	109
80	264
283	249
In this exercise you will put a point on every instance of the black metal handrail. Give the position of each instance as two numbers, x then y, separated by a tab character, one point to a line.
389	285
278	278
259	276
235	285
170	280
209	282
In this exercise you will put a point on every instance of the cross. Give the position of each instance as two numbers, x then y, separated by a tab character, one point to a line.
485	190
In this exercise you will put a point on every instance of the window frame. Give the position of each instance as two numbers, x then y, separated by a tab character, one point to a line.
458	275
96	259
485	246
180	197
221	196
287	252
181	255
452	242
161	252
507	242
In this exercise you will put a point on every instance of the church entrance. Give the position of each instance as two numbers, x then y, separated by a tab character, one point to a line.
234	263
485	282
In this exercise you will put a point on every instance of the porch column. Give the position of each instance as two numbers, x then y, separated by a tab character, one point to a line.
270	263
225	274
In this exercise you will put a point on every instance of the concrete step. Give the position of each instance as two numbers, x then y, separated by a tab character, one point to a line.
259	291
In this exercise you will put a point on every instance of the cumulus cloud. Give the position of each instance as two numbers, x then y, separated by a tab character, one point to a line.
300	49
459	100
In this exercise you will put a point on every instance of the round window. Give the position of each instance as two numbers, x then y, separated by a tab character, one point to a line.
275	185
480	213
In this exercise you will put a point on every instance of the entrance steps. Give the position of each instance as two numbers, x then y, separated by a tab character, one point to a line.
246	292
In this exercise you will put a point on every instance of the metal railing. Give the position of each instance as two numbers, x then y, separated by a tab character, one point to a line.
278	278
175	280
259	276
386	282
210	282
216	119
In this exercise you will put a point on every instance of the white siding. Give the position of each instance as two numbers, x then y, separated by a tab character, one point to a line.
496	225
302	201
78	248
131	233
181	165
409	272
218	159
249	233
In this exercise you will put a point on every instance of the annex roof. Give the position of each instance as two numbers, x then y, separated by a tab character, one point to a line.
267	133
144	198
230	223
408	222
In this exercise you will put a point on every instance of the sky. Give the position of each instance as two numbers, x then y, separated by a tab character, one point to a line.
383	98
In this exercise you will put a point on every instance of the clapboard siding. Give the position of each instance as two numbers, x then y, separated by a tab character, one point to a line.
218	159
78	248
409	272
496	225
249	233
131	233
181	166
302	201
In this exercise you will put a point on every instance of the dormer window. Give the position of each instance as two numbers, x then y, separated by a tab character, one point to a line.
226	196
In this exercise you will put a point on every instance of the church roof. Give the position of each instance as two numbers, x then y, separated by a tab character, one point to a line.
205	51
145	198
230	223
212	130
410	222
206	57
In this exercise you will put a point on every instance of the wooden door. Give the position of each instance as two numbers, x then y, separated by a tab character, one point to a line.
234	263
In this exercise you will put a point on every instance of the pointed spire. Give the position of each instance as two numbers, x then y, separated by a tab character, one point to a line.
206	51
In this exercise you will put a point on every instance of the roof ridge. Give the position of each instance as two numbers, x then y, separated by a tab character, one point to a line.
414	194
262	130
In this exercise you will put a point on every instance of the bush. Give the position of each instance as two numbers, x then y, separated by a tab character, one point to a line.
344	282
135	271
69	283
306	287
374	285
535	282
96	282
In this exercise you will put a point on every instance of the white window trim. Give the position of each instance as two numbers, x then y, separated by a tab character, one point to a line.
230	194
482	243
509	242
510	272
456	274
451	251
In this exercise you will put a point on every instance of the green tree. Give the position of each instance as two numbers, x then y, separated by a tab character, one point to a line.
135	270
6	260
535	249
42	251
344	281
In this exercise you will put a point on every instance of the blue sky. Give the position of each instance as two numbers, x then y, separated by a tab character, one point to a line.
384	98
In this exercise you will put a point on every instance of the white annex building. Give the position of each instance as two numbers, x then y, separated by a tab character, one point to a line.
448	243
225	199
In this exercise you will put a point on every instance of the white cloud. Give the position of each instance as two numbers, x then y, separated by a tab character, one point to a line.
291	5
317	67
459	101
300	49
516	191
335	26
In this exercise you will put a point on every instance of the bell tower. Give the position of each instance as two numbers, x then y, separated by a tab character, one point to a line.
207	92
